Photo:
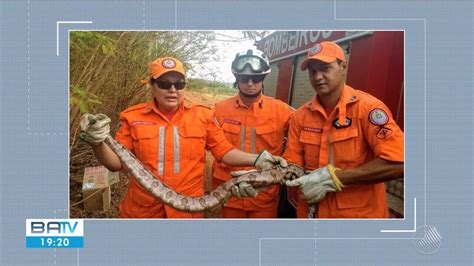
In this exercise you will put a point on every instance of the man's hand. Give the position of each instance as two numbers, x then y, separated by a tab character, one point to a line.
94	128
267	161
317	183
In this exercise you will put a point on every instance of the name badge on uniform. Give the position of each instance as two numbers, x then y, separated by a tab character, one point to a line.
313	129
230	121
136	123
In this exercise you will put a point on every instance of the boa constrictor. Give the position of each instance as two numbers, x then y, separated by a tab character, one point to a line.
209	201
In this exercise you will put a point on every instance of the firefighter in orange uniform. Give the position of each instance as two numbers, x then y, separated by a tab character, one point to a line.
347	138
252	122
170	139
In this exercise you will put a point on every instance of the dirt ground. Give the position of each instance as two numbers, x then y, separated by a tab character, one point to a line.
119	190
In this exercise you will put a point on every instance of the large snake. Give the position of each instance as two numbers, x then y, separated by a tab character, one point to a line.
208	201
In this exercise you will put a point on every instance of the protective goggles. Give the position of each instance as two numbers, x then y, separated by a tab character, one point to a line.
166	85
255	64
254	78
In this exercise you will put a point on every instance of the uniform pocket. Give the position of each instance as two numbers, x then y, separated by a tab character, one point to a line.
232	133
344	135
192	142
268	137
347	148
311	142
310	138
145	141
354	197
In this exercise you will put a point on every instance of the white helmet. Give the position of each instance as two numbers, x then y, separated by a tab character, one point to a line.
250	62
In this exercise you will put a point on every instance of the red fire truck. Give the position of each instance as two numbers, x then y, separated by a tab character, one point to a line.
375	65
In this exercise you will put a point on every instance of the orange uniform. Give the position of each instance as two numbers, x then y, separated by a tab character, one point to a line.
262	126
174	150
359	129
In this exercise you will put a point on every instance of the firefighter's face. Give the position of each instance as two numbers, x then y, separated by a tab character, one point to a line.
326	78
250	85
168	100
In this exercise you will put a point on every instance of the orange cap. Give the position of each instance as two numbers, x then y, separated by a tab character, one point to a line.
326	52
164	65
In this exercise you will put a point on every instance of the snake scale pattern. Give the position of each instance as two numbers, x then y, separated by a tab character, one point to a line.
209	201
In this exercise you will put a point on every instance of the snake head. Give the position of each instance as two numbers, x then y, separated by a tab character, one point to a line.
293	171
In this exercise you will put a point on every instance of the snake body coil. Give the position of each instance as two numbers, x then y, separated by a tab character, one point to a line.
209	201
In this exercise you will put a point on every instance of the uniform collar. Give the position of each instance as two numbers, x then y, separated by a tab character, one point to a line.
348	96
238	102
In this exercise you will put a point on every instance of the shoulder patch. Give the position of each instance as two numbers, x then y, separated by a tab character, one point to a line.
378	117
383	133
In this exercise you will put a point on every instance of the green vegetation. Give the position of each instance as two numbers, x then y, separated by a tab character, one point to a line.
210	87
82	99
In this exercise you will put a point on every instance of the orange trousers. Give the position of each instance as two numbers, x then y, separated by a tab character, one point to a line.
228	212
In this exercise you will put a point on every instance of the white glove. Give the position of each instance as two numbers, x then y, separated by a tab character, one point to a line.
266	160
94	128
317	183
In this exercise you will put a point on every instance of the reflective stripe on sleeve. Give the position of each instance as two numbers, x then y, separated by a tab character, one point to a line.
331	159
176	149
242	138
161	150
252	140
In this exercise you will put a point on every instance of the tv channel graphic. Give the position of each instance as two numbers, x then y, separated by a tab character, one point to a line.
54	233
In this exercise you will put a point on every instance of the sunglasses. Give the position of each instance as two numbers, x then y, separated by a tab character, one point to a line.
166	85
254	78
